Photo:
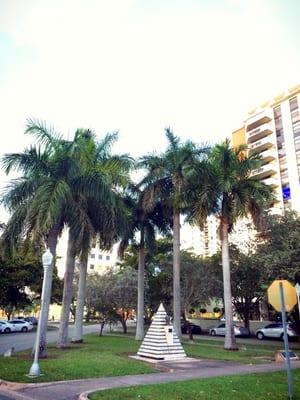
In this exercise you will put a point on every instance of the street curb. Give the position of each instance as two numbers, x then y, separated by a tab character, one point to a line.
7	385
14	395
85	395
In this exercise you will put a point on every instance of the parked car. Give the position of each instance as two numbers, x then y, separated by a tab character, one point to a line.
32	320
220	330
5	327
196	329
275	331
16	325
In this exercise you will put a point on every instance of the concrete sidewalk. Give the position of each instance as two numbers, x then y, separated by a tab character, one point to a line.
71	390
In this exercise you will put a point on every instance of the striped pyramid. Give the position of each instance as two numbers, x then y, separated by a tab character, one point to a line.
161	341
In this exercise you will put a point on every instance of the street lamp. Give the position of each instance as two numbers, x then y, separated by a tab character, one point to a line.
47	262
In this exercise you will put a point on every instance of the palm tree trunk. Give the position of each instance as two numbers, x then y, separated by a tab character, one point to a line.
52	243
230	341
176	274
63	334
78	328
141	288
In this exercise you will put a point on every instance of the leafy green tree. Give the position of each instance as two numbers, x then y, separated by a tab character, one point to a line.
248	280
21	277
278	252
279	246
230	192
112	296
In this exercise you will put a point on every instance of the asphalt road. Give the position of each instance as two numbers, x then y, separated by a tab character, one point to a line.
23	341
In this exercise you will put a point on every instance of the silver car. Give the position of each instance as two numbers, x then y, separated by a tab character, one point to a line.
220	330
274	331
15	325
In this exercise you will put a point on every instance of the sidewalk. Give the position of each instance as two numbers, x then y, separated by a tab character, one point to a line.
71	390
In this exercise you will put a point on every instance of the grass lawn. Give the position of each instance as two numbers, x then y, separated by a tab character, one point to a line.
246	387
248	353
107	356
96	357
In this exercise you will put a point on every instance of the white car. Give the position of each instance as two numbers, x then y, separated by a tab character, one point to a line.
15	325
220	330
274	331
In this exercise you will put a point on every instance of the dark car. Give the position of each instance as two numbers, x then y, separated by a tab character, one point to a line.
32	320
186	325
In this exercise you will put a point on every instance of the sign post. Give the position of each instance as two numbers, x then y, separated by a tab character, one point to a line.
286	343
297	287
282	296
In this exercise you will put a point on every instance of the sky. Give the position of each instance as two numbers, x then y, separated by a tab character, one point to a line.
137	66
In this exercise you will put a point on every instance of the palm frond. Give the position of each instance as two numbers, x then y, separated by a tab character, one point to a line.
44	134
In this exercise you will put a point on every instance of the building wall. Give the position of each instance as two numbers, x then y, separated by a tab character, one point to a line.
101	261
273	131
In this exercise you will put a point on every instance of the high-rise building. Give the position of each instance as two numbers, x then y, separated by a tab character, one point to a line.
273	131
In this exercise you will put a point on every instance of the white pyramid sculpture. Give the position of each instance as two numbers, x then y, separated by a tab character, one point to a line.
161	341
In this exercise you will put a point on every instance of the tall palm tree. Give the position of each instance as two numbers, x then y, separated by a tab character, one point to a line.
103	222
51	190
230	191
167	180
35	202
145	222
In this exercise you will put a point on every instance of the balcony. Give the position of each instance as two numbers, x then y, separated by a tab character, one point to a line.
265	171
261	145
268	156
260	132
258	119
273	182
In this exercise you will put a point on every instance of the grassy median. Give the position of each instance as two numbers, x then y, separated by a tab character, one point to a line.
96	357
245	387
108	356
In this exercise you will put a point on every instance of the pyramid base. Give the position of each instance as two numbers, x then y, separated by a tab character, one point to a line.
154	360
162	357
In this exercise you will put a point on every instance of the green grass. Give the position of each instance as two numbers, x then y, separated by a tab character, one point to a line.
96	357
108	356
247	354
246	387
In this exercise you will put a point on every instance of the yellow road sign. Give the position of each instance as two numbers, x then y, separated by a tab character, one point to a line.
289	292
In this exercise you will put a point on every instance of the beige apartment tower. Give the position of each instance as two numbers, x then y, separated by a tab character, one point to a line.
273	131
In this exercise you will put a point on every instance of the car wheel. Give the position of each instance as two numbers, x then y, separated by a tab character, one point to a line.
24	329
213	333
260	335
7	330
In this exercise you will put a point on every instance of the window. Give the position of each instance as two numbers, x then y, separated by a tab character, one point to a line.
92	255
107	257
92	266
293	104
100	256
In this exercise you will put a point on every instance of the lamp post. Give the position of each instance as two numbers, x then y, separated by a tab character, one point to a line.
47	262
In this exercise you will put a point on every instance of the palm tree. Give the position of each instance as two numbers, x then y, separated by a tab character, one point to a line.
46	197
35	202
230	191
167	180
145	221
103	222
